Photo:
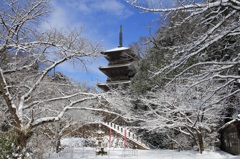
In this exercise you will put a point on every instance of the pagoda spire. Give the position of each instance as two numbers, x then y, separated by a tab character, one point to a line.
120	37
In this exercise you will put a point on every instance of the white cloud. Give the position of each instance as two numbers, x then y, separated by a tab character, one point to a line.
82	6
61	18
111	7
85	13
57	19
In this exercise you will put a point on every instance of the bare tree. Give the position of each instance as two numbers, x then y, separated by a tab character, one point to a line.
32	96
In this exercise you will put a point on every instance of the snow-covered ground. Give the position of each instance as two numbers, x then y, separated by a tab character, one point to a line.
79	152
89	153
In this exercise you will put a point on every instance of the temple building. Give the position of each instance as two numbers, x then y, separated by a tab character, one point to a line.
120	69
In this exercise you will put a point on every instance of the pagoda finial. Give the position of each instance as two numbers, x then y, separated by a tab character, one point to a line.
120	37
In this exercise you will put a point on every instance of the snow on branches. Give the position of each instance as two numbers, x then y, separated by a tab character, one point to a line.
211	49
28	59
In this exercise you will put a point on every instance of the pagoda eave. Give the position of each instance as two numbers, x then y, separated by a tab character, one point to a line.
113	84
115	66
103	87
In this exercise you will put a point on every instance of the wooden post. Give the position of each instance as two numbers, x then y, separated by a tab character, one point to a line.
125	138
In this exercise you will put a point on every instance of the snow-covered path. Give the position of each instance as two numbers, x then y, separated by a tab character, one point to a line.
89	153
74	150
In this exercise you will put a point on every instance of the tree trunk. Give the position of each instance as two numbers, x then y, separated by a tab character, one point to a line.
20	144
58	144
200	142
58	136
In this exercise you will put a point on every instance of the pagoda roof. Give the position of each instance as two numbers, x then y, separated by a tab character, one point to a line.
116	49
115	66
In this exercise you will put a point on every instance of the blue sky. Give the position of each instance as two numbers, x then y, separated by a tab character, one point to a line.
101	20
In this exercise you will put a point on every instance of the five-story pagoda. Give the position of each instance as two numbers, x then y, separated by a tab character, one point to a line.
120	68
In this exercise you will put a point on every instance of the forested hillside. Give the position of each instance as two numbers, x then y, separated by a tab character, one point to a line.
188	80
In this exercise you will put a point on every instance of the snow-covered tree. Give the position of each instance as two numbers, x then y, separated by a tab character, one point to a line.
211	48
27	57
187	109
205	47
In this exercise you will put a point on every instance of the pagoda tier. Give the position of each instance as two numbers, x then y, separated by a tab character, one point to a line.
119	71
120	68
119	55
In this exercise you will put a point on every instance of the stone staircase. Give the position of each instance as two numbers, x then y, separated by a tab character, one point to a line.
131	137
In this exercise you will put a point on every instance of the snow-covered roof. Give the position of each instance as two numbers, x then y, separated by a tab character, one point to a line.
227	124
116	66
117	49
